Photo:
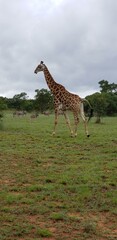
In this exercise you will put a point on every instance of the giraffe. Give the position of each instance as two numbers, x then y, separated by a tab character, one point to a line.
64	100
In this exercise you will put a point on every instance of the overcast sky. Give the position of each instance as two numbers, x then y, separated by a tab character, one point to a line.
76	39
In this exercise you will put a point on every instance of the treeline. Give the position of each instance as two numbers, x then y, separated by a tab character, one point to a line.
42	101
103	102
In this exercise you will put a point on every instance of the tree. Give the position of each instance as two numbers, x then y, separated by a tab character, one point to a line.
107	87
29	105
110	90
19	101
44	100
99	103
3	106
111	104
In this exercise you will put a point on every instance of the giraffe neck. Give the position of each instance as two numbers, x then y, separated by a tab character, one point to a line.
49	79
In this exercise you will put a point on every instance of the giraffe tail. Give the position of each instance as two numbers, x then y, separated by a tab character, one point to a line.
91	109
91	114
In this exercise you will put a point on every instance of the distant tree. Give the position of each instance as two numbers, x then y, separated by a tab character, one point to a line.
111	99
21	95
43	100
110	90
99	104
107	87
19	101
113	88
3	104
105	102
29	105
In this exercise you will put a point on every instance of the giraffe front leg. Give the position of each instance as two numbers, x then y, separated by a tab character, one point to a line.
76	121
55	122
68	123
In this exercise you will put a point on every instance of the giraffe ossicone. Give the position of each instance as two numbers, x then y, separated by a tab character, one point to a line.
66	101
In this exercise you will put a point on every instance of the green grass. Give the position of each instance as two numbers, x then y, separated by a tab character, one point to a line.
57	187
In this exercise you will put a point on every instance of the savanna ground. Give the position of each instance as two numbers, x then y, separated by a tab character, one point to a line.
57	188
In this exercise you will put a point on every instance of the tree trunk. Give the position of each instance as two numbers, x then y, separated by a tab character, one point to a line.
98	119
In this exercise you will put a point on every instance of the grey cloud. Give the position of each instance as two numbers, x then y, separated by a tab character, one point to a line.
77	40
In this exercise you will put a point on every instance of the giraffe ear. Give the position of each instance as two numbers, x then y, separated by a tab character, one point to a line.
41	62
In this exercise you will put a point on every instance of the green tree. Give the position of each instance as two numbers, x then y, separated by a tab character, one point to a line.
110	90
107	87
29	105
99	103
3	106
43	100
19	101
111	104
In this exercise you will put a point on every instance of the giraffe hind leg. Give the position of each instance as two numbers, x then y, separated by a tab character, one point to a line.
76	121
68	122
84	119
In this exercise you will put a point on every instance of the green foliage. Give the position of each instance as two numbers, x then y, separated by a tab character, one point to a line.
41	232
111	108
19	101
1	116
108	88
104	103
3	105
22	96
58	216
1	121
44	100
98	102
12	198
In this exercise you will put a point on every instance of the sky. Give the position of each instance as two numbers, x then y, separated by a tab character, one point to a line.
76	39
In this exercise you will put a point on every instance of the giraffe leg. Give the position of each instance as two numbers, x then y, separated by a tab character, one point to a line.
84	119
55	122
76	121
68	122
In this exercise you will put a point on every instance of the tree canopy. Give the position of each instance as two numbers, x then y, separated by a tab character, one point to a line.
107	87
105	101
43	100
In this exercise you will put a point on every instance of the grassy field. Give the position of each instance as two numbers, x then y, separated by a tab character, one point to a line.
57	188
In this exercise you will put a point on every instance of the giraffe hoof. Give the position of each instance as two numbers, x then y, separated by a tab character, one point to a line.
88	135
72	134
53	134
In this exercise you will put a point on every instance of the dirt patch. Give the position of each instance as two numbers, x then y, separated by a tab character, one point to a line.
105	222
33	219
49	238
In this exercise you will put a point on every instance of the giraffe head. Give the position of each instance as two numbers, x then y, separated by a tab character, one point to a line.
40	67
